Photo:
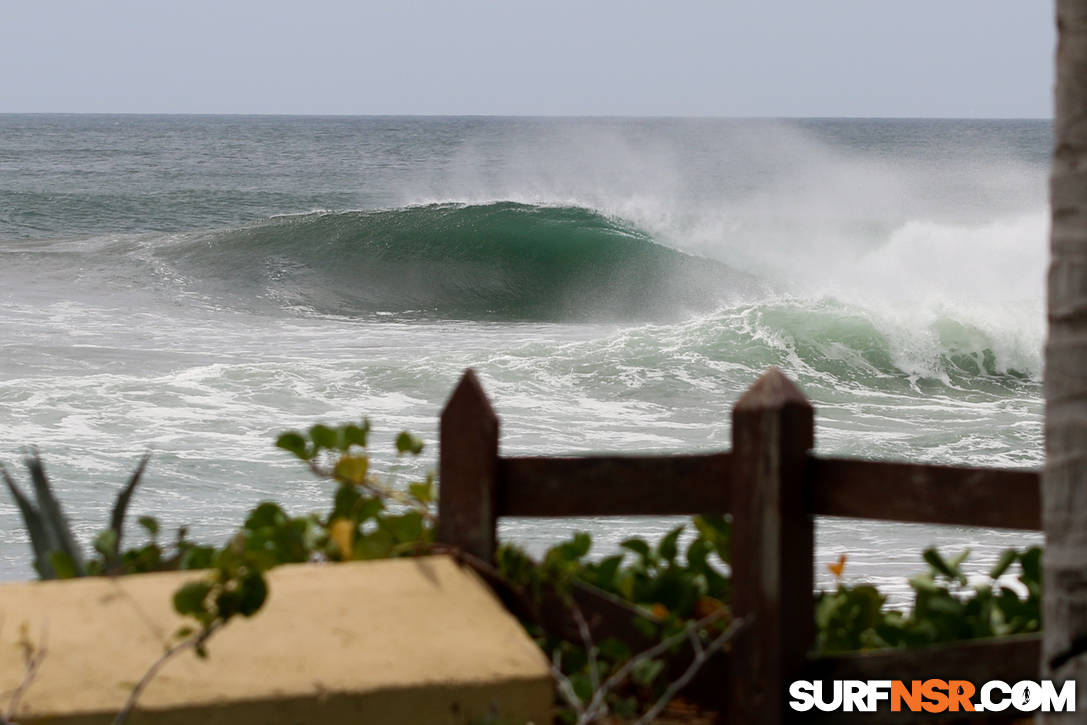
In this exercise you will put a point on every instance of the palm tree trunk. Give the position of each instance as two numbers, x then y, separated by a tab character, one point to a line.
1064	489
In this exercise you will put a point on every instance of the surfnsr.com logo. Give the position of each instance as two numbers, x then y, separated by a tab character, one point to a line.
932	696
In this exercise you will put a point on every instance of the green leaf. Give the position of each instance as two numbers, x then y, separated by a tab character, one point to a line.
197	557
668	547
62	565
345	501
956	561
354	435
324	437
407	443
1031	562
145	559
583	686
252	592
352	469
35	526
615	650
924	583
191	598
717	586
58	532
718	531
227	604
934	559
639	547
698	552
150	524
376	545
625	707
404	528
645	671
294	443
647	627
676	590
423	492
265	514
368	508
578	546
606	571
106	543
289	545
1007	558
120	505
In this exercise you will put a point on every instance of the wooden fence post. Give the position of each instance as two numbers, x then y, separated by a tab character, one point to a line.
468	470
772	547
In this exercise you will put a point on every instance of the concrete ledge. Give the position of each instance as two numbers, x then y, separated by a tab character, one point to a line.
391	641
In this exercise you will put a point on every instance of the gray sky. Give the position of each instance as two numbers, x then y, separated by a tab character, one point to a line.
953	58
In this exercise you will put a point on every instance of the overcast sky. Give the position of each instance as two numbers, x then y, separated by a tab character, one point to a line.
948	58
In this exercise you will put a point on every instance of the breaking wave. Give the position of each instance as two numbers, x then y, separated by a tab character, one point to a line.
501	261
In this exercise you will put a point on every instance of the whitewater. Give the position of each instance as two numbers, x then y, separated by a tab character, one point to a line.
194	285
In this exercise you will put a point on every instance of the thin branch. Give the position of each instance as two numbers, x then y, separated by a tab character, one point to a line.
701	655
401	498
564	686
151	625
32	661
598	706
587	642
192	642
380	490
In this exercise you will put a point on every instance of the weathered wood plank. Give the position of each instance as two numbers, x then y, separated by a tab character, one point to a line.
1009	659
685	484
772	547
614	485
468	470
989	497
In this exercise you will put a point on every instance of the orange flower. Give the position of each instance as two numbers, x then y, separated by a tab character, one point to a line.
836	569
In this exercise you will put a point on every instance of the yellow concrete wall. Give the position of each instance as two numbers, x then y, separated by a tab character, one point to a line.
391	641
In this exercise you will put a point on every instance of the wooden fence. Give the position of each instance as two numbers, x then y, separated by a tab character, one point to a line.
773	486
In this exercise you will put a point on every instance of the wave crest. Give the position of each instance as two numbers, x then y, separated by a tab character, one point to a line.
502	260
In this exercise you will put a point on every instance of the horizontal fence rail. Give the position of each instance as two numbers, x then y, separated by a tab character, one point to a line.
614	485
984	497
650	486
774	487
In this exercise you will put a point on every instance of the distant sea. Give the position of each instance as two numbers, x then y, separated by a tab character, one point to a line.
193	285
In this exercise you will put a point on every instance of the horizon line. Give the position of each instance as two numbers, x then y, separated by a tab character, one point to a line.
707	117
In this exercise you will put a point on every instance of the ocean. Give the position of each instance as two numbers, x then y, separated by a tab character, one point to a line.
194	285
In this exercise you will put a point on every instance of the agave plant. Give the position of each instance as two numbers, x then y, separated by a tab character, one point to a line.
56	554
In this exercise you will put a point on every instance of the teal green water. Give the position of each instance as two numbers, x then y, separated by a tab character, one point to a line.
194	285
499	261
